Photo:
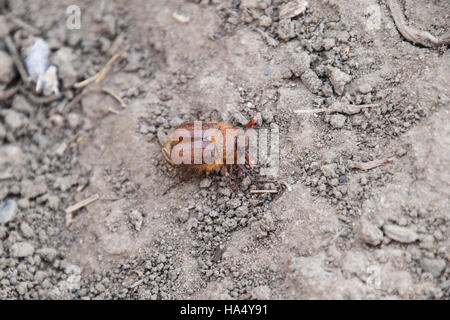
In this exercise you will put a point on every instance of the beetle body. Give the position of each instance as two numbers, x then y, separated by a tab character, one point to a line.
206	146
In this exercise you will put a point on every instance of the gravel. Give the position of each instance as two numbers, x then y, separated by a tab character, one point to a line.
26	230
20	104
365	88
338	79
11	155
265	21
433	266
136	219
205	183
329	170
8	210
311	81
300	63
337	121
328	43
21	249
65	60
215	242
14	120
7	70
400	234
48	254
32	189
261	293
370	233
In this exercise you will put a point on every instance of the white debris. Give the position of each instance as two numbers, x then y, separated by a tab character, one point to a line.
37	63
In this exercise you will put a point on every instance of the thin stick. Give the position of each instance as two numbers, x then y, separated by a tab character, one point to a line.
63	146
115	96
20	23
82	204
414	35
113	111
40	100
311	110
80	188
70	210
264	191
362	106
371	164
16	59
359	106
91	90
5	95
180	18
100	75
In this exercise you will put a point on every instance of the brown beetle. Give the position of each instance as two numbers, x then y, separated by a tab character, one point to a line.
207	146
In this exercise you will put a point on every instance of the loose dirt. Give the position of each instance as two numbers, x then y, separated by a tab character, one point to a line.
333	230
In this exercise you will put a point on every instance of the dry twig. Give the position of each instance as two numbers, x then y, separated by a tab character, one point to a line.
70	210
330	110
100	75
264	191
319	110
5	95
414	35
40	100
371	164
16	59
92	90
20	23
113	111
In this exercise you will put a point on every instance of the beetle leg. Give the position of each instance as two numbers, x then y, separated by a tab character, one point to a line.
252	122
246	173
227	174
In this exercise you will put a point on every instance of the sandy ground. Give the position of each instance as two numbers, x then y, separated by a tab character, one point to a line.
333	230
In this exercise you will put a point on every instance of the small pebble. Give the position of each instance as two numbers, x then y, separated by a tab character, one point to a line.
329	170
369	233
365	88
328	44
7	70
400	234
21	249
8	210
136	219
26	230
48	254
433	266
205	183
265	21
183	215
338	79
337	121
